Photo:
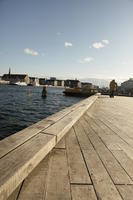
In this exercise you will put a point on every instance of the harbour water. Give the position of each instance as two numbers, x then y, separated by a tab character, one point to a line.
22	106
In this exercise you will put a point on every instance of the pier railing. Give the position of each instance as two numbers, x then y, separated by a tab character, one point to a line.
21	152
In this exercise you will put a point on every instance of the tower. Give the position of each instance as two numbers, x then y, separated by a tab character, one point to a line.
9	73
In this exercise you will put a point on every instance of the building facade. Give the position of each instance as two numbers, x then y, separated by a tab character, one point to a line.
72	83
127	86
16	78
34	81
42	81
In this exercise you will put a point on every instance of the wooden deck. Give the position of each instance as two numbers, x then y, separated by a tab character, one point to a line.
92	161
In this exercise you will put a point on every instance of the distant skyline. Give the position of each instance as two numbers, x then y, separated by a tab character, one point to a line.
68	39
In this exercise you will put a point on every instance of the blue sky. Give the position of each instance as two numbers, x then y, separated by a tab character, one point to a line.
67	38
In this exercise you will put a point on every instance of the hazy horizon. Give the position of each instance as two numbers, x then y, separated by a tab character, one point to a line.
68	39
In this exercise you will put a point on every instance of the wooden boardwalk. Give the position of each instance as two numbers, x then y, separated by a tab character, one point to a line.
92	161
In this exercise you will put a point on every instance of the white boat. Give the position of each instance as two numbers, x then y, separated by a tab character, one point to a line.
21	83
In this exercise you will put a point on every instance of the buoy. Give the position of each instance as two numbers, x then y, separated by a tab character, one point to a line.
44	91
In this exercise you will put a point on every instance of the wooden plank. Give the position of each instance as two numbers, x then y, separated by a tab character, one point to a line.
14	195
84	192
15	167
36	144
34	186
125	161
58	186
104	186
117	173
82	137
64	125
118	126
57	116
126	191
13	141
119	131
120	150
60	128
111	140
77	168
61	144
107	135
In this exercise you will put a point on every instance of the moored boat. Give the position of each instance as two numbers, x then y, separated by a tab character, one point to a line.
79	92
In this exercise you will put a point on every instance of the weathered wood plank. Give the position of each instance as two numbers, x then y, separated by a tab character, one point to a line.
117	173
60	128
26	149
126	191
58	186
104	186
125	161
64	125
61	144
84	192
123	131
82	137
34	186
112	141
107	135
13	141
118	149
15	167
77	169
86	102
15	194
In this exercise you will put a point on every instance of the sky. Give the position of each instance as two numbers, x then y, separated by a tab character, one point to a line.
67	38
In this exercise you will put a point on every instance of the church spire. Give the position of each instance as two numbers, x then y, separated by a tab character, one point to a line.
9	73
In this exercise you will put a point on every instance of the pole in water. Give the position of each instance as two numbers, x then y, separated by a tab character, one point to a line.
44	91
29	92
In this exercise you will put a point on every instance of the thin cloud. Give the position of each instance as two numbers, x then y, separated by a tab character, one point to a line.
98	45
86	60
105	41
31	52
68	44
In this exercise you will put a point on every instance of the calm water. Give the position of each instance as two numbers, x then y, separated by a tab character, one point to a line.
18	110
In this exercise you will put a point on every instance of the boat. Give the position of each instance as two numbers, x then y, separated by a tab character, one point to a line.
18	83
79	92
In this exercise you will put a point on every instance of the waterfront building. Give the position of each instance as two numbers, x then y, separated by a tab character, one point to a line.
53	78
34	81
127	87
50	82
16	78
60	83
72	83
42	81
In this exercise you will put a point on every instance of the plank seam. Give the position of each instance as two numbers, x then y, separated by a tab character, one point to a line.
86	165
105	166
110	150
17	198
68	172
81	183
